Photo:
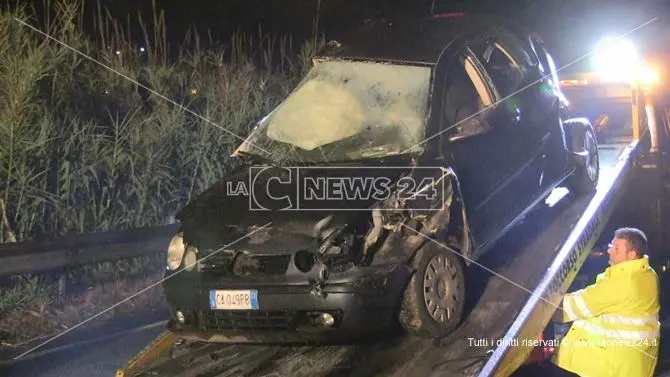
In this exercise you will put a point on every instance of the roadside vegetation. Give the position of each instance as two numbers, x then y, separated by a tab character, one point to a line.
85	149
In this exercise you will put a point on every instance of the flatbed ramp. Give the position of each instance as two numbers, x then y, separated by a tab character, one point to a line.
509	287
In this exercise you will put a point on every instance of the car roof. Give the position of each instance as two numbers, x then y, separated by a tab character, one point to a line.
411	39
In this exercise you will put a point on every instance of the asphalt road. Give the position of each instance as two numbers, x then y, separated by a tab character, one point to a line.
99	358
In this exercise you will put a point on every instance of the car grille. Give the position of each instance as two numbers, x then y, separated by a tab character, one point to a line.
245	265
246	320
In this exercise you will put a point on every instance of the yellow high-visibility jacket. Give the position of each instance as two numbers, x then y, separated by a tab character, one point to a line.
615	330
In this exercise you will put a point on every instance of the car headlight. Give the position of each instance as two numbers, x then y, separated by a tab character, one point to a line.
175	252
190	258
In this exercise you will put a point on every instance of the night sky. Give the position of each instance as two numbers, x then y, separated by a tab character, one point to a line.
568	35
225	17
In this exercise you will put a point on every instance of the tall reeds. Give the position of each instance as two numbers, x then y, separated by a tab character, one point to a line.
84	148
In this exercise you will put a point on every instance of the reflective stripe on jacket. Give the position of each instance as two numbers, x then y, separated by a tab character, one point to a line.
615	330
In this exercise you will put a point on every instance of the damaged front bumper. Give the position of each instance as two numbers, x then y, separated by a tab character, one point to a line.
286	308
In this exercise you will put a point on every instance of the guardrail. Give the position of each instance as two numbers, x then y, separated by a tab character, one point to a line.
77	250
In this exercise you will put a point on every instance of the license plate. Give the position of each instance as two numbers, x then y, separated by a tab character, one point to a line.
234	300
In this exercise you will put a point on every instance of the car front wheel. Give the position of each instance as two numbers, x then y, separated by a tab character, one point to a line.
433	301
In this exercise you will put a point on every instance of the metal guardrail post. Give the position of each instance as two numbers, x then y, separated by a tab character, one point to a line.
62	284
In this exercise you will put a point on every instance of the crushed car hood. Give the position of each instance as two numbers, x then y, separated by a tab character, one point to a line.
252	197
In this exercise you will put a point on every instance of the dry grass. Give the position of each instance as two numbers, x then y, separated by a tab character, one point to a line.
20	326
86	149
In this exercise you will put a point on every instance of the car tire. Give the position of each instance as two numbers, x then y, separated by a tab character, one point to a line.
436	286
584	179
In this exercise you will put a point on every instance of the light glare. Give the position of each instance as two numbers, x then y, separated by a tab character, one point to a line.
555	196
616	60
646	75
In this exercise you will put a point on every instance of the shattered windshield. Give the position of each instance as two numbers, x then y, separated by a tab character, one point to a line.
346	110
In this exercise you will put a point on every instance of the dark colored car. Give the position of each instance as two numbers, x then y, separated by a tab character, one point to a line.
458	125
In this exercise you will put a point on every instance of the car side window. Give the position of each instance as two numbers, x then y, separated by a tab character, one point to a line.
465	99
480	86
546	63
505	70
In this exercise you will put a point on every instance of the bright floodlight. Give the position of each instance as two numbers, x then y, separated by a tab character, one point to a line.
647	76
616	60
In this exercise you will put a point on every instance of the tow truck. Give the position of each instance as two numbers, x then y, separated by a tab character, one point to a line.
509	315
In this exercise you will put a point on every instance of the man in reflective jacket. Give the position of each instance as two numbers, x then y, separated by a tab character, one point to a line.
615	324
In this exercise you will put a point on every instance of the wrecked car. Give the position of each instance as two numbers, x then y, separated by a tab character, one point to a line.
406	152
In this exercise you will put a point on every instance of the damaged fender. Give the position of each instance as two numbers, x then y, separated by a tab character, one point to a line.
403	225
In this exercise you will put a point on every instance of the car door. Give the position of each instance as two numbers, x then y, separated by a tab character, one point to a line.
540	103
550	99
510	66
489	146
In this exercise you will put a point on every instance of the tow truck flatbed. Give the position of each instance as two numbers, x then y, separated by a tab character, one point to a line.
538	257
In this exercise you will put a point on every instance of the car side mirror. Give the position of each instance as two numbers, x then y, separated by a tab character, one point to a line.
468	128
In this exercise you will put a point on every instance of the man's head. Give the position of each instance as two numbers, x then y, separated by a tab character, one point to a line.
627	244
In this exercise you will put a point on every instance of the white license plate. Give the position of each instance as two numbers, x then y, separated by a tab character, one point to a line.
234	300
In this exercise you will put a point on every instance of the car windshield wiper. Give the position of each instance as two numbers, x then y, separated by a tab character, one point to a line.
257	158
